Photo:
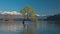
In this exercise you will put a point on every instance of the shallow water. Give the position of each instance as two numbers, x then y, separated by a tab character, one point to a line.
42	27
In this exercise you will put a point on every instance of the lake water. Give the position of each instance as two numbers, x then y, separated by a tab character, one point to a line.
42	27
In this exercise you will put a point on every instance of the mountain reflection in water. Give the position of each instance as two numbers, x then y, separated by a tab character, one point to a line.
42	27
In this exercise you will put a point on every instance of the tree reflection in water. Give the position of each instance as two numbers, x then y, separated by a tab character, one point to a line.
30	30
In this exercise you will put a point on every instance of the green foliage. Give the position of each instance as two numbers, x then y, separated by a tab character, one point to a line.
30	14
34	19
27	8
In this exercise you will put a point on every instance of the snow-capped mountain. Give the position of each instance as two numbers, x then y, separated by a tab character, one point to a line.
13	13
17	15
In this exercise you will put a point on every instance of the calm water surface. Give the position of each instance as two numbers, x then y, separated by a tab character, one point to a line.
42	27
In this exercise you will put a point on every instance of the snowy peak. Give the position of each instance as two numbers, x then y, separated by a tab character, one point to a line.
11	13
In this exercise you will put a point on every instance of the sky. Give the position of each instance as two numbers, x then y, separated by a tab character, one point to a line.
42	7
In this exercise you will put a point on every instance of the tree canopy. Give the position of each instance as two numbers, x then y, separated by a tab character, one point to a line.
30	13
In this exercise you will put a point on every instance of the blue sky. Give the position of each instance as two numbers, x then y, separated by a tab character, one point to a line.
43	7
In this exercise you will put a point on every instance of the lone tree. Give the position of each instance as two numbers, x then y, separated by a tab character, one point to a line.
30	13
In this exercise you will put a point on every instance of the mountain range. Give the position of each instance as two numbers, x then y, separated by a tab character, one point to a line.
12	15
